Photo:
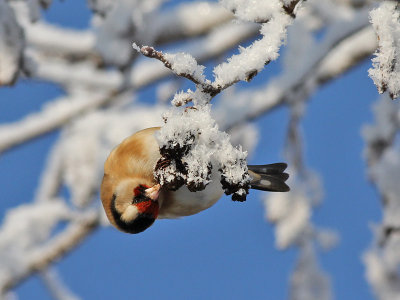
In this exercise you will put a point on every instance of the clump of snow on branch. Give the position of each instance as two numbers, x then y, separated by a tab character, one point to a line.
183	63
252	59
386	64
191	145
182	98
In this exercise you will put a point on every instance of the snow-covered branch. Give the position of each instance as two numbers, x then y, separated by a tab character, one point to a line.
182	65
291	214
382	154
386	65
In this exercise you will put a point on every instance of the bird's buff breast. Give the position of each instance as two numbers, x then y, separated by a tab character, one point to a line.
185	203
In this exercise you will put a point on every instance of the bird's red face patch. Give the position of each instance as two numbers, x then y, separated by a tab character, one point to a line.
140	189
148	207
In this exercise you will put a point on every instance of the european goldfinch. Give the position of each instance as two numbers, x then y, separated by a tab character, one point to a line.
133	200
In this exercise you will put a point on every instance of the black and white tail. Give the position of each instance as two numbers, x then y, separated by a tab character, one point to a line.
269	177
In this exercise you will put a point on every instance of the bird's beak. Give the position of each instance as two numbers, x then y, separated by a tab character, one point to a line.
153	192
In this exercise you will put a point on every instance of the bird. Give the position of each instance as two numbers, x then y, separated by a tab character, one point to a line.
132	198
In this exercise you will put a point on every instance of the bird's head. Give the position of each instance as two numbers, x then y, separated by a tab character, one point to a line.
134	205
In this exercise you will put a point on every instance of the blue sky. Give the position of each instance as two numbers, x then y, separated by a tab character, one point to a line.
226	252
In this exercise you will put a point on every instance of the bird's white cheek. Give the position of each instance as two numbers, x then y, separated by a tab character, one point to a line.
130	213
